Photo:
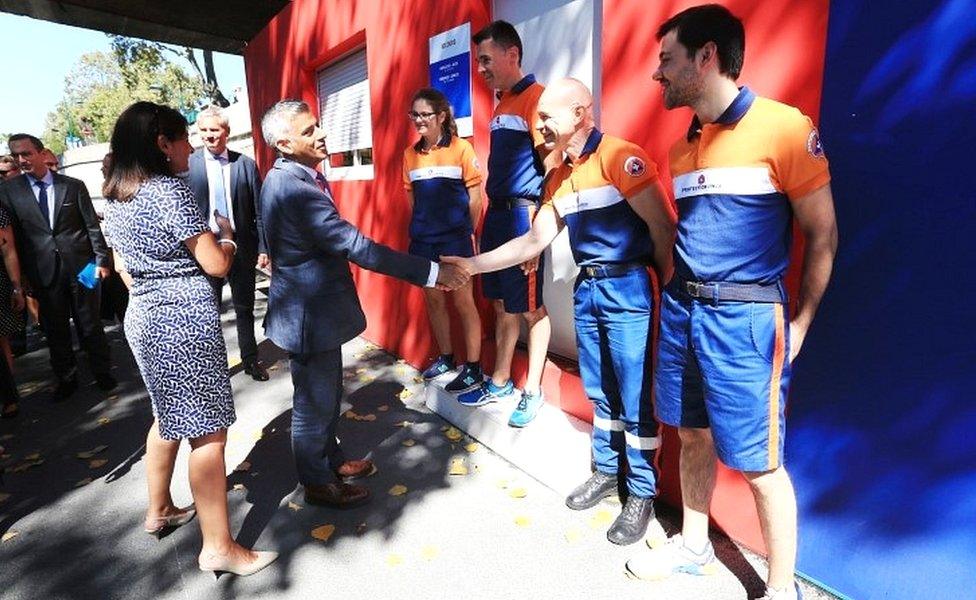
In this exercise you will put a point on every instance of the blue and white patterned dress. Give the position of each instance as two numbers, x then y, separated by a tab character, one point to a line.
172	323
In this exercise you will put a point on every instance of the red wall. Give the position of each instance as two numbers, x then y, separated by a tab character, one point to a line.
785	46
281	62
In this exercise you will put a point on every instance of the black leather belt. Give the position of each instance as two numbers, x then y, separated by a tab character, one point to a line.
719	291
510	203
604	271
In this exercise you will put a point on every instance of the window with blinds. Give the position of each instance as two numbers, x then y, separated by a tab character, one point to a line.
344	106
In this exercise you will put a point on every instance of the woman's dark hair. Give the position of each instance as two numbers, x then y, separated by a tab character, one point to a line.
135	152
438	101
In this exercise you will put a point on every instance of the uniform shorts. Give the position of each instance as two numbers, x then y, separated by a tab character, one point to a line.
460	246
520	293
726	366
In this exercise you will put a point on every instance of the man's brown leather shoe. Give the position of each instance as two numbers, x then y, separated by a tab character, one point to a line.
356	469
336	495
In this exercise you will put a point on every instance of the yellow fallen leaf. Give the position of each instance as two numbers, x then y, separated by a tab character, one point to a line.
573	535
369	417
360	370
454	434
350	414
323	532
9	536
3	497
27	465
97	463
256	435
90	453
366	378
458	467
601	519
502	483
244	466
408	443
233	362
33	456
418	379
383	408
429	552
238	487
472	447
404	394
104	421
398	490
83	482
394	560
523	521
400	370
518	493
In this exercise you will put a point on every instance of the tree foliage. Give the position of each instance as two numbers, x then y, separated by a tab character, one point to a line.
101	85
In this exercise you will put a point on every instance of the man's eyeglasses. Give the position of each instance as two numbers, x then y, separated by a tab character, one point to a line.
420	115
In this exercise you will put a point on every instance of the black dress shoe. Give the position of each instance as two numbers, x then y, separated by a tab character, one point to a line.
65	388
631	524
336	495
590	492
105	382
256	371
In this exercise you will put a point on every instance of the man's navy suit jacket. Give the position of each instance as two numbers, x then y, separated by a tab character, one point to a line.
312	302
245	185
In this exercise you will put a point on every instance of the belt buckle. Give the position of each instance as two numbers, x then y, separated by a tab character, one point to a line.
701	291
591	271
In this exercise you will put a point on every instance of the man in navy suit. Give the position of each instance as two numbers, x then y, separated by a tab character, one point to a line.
228	182
58	237
312	304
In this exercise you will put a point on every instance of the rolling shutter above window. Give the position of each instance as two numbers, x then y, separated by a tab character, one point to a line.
344	103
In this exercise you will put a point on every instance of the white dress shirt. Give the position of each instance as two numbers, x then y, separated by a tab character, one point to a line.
218	168
435	268
49	180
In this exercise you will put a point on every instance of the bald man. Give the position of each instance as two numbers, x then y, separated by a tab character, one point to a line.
608	194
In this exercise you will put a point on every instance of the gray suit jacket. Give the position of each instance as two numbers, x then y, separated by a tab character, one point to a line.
245	185
73	241
312	302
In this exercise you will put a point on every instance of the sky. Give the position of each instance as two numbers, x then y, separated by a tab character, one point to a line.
40	54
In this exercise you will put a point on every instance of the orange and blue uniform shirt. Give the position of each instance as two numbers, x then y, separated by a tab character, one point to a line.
514	168
732	182
724	364
613	310
591	198
439	178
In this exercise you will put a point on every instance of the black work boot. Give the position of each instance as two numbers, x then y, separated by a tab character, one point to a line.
590	492
631	524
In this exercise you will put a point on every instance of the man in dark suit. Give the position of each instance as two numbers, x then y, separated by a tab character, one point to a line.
228	182
58	238
312	304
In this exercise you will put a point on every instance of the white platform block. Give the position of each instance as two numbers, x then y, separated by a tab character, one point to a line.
554	448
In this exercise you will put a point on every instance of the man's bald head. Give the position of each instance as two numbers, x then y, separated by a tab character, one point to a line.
565	108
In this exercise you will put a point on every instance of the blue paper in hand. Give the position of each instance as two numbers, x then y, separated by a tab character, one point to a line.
87	276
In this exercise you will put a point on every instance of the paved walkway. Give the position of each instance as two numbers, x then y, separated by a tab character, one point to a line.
467	524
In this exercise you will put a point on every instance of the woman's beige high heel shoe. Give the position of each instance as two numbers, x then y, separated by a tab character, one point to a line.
158	525
219	564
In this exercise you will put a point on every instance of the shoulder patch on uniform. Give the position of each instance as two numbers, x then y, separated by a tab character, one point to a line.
634	166
475	163
814	145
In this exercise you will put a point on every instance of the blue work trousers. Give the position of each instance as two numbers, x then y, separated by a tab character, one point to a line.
614	334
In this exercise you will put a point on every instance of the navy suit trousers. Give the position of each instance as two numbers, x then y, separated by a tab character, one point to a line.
317	378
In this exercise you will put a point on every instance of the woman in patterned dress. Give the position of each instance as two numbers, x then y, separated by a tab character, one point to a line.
11	307
164	250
